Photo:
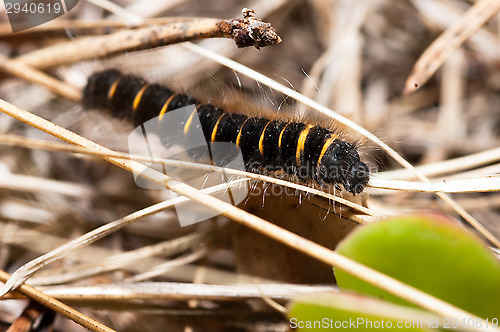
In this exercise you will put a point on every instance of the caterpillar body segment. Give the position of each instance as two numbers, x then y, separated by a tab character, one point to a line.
310	152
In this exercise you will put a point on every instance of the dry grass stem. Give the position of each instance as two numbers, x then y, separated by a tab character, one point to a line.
337	117
450	40
33	184
447	166
117	10
240	268
480	184
159	270
30	74
181	291
95	47
55	146
308	247
24	272
57	306
124	260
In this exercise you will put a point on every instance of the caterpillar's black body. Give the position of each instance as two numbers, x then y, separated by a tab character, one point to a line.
310	152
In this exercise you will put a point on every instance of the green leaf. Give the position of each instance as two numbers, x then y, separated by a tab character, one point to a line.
430	253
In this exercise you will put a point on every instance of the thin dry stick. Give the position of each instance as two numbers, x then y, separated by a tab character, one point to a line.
30	74
480	184
129	258
33	184
117	10
447	166
249	31
56	146
451	39
354	126
286	237
57	306
84	26
268	37
25	271
94	47
270	302
153	8
182	291
159	270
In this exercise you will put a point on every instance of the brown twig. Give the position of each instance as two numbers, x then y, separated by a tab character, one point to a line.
83	27
246	32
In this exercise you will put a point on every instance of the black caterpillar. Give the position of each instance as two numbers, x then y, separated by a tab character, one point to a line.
310	152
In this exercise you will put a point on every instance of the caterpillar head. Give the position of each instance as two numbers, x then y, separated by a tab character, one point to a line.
357	178
340	164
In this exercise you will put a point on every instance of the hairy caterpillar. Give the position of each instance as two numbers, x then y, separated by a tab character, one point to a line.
310	152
